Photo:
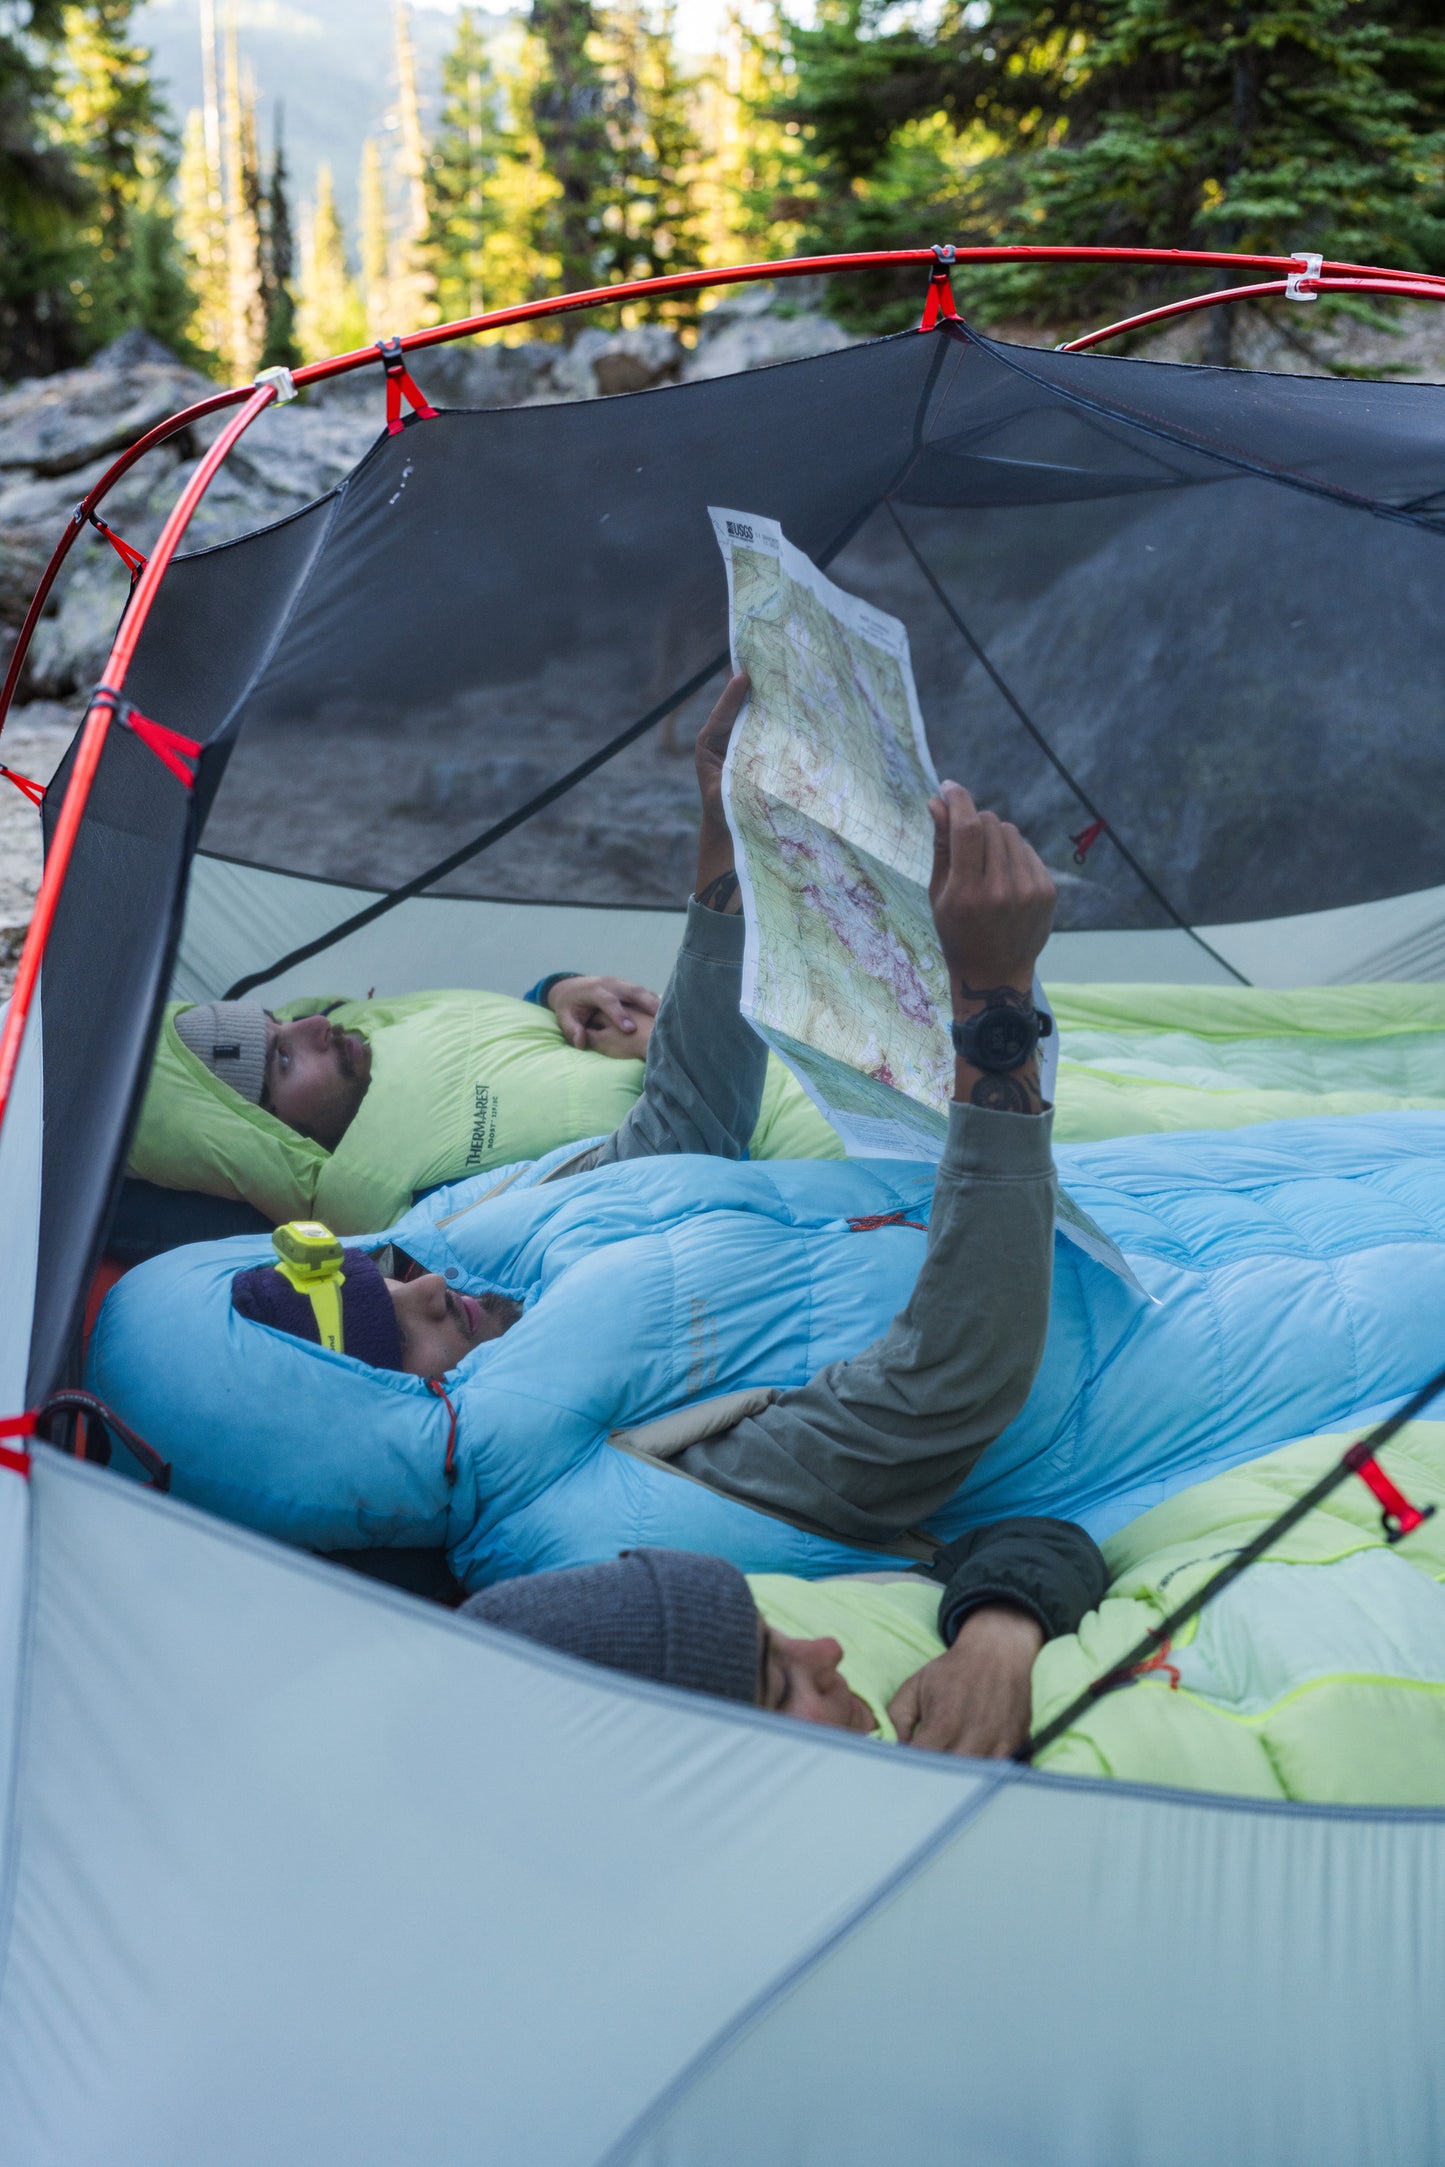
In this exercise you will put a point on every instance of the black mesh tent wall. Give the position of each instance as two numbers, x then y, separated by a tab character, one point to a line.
1189	613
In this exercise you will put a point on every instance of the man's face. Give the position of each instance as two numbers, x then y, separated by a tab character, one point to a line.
801	1678
316	1077
438	1327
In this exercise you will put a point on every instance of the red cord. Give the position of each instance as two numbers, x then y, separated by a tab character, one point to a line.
1400	1517
28	789
867	1223
1086	838
449	1468
169	747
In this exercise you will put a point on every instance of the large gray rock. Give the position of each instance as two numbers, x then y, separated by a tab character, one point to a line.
55	424
599	364
752	327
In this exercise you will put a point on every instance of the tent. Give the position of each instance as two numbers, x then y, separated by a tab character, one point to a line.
291	1866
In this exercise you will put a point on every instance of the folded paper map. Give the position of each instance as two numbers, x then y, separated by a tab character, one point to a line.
826	787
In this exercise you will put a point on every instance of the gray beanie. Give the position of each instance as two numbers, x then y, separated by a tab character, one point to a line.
661	1614
230	1037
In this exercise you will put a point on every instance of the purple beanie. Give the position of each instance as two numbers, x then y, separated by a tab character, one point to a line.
369	1329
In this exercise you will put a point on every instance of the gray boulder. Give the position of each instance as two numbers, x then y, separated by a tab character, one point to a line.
753	327
54	424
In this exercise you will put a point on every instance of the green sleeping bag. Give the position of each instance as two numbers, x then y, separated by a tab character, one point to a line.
1318	1674
460	1081
1135	1058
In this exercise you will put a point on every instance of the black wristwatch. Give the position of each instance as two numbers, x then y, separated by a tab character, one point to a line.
1003	1034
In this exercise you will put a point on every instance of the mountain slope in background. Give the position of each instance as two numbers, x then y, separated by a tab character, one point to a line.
330	63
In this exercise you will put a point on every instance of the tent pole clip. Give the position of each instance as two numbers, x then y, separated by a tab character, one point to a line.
1300	285
398	381
283	380
940	301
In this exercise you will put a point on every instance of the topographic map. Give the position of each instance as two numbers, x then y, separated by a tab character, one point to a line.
826	786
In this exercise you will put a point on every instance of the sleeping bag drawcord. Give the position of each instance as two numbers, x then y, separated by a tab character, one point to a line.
74	1402
1399	1517
449	1469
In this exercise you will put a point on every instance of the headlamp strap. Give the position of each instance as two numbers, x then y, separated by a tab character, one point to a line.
309	1258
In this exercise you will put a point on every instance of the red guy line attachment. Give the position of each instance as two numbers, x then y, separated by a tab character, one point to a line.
398	380
15	1458
169	747
1086	838
940	301
23	783
129	556
1398	1516
867	1223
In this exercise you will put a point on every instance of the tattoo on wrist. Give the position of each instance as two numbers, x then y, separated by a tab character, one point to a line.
997	996
1015	1092
719	893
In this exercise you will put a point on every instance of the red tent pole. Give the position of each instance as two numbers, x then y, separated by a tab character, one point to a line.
97	726
690	282
1417	289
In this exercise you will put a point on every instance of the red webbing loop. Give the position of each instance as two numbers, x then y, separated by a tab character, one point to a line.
169	747
129	556
12	1457
867	1223
398	380
1399	1516
940	301
28	789
1086	838
449	1466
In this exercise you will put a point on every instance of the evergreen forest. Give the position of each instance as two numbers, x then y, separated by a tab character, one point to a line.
571	146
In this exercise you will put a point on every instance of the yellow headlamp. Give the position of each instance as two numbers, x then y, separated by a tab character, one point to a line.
311	1261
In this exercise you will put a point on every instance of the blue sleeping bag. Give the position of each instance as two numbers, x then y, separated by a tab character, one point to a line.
1298	1270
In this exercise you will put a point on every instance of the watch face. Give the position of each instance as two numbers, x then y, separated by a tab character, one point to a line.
1003	1038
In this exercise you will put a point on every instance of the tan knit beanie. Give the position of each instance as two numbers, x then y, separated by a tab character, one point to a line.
230	1037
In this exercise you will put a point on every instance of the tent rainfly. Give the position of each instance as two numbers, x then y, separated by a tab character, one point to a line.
295	1867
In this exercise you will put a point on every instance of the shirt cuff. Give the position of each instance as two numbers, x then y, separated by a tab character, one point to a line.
714	935
538	994
986	1143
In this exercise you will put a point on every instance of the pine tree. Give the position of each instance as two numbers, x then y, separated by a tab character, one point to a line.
569	107
42	201
117	132
280	350
329	315
374	244
651	218
201	226
411	297
1160	123
465	207
246	304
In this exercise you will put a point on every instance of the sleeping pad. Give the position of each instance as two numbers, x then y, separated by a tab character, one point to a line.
1298	1271
1319	1674
1139	1058
461	1082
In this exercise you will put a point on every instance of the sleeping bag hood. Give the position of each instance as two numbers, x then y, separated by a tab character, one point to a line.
1277	1259
461	1082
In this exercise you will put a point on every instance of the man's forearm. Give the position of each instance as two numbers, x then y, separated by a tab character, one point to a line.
705	1064
873	1445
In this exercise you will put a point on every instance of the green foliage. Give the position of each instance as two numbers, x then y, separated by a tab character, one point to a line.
278	265
127	269
41	200
651	222
569	111
467	210
1158	123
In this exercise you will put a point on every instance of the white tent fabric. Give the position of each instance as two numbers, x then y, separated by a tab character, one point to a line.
241	917
294	1868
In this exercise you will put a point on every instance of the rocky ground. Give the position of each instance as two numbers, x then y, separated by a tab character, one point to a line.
58	435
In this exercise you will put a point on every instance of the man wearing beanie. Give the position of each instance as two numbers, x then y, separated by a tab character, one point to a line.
880	1654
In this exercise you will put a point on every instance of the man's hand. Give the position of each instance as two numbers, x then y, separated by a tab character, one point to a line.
604	1015
992	897
716	884
976	1697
